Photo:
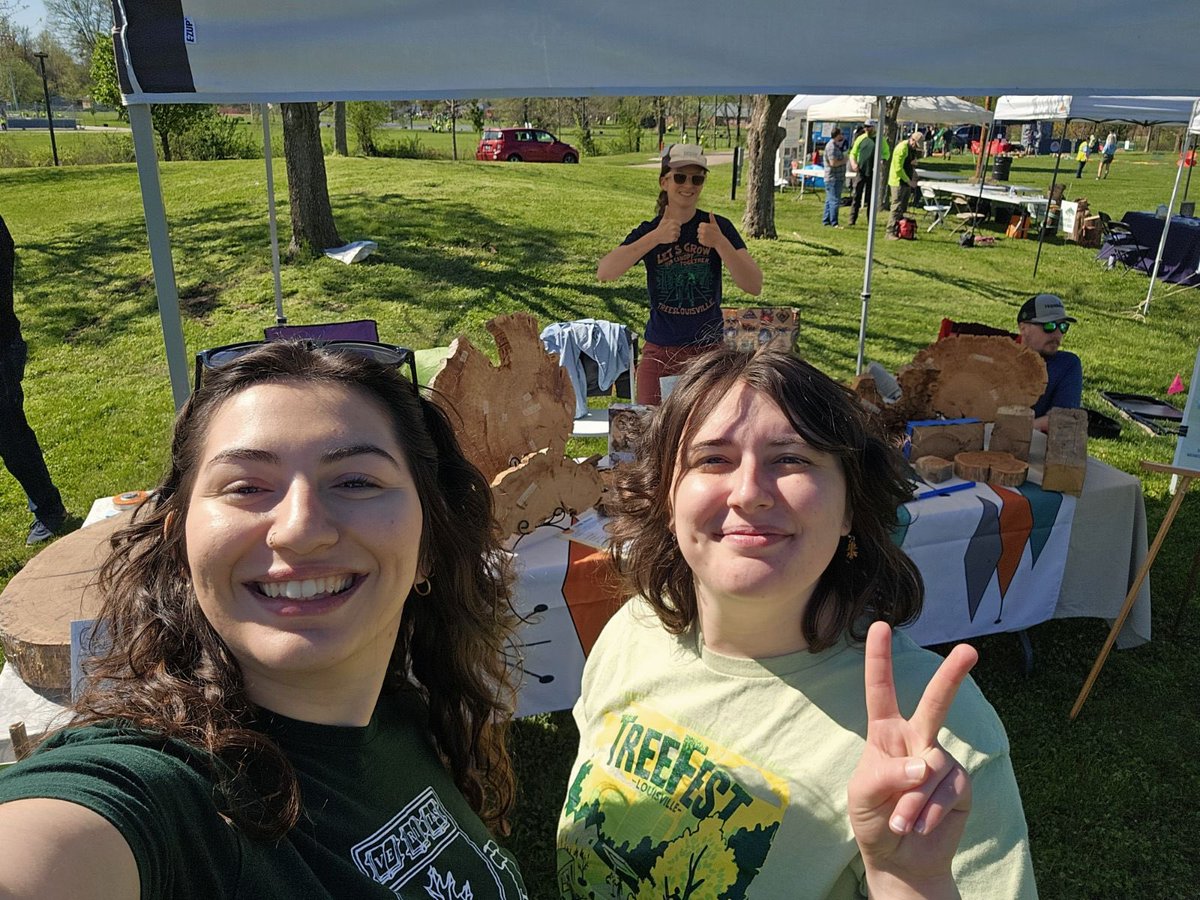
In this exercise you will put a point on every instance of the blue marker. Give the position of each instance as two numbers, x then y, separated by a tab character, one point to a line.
936	492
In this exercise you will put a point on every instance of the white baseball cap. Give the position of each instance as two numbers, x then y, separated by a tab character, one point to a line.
679	155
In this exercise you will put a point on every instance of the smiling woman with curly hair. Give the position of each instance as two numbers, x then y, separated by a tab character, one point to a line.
306	692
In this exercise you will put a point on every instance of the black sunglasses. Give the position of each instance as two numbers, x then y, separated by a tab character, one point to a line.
1049	327
387	354
681	178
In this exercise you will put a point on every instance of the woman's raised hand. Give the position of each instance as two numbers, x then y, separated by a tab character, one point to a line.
667	231
908	797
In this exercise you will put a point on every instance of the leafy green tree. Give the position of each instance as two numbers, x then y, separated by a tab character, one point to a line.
364	117
106	88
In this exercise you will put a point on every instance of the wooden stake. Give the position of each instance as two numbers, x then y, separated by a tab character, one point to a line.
1185	480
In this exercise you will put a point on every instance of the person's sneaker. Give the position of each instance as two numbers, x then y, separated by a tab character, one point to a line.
40	531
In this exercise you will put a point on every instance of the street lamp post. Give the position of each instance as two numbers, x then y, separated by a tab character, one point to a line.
49	115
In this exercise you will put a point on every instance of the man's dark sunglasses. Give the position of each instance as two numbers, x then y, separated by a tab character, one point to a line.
682	178
1049	327
387	354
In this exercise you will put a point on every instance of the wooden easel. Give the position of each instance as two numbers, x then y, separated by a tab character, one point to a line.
1185	481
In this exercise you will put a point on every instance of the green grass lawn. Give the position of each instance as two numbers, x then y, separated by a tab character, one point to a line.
1110	798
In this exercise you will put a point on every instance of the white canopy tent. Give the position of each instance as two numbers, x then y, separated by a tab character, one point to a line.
1137	110
222	51
947	110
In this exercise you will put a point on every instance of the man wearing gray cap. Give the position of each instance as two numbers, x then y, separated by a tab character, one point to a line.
1043	323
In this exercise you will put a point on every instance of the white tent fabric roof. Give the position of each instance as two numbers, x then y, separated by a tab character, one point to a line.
800	104
210	51
1139	110
859	107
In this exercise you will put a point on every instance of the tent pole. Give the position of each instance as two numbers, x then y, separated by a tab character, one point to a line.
160	250
1144	307
1050	196
983	154
280	318
872	215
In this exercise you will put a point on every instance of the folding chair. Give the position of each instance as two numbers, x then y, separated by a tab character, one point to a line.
1122	246
357	330
934	206
966	216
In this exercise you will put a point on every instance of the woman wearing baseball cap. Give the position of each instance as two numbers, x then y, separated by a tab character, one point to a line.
684	249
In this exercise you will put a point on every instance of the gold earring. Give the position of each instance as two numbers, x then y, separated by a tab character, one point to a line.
851	547
423	583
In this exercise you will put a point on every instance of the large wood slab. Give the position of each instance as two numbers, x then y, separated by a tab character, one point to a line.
978	375
541	485
503	413
38	605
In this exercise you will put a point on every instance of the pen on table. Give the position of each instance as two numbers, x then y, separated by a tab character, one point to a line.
934	492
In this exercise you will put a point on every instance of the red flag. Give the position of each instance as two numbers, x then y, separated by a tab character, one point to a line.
1176	386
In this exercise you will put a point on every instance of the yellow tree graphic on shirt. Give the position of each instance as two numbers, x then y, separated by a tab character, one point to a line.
698	863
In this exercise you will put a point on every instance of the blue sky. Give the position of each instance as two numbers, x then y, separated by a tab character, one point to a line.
33	16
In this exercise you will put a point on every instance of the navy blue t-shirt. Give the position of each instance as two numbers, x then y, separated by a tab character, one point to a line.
1064	384
684	283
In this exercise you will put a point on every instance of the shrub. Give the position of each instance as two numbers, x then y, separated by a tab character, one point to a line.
214	137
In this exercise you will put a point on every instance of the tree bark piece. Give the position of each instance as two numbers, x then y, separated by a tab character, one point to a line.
990	467
1013	431
1066	451
38	605
981	374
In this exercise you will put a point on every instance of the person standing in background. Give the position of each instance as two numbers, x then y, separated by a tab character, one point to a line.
835	177
685	250
19	448
902	179
1107	152
1081	156
862	155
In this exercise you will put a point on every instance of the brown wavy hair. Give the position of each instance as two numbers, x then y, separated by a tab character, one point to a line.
169	672
880	583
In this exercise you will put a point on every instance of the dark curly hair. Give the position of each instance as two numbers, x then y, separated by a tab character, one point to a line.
880	583
170	673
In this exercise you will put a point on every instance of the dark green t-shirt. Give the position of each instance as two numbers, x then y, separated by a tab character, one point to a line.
381	816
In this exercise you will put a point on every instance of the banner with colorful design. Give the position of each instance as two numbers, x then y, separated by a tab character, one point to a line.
992	559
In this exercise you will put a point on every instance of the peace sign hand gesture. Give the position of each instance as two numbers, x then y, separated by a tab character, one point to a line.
908	797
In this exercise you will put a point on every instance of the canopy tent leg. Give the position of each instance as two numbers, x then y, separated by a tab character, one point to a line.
160	250
1050	198
280	318
1144	307
984	153
872	215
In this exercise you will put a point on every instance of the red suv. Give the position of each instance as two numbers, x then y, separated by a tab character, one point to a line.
524	145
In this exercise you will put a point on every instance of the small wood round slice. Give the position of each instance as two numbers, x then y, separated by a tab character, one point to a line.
38	605
990	467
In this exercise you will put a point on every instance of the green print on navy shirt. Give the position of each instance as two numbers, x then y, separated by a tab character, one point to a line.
661	811
684	283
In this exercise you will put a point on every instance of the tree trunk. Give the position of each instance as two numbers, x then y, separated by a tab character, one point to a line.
308	193
763	137
340	145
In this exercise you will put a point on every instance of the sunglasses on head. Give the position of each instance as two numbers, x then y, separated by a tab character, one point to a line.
1049	327
387	354
681	178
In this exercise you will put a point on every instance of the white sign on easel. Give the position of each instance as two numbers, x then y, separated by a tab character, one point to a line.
1187	449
